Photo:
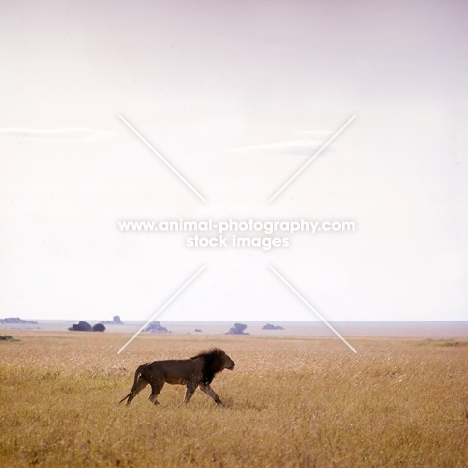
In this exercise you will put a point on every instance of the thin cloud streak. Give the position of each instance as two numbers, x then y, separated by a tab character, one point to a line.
58	134
299	147
314	132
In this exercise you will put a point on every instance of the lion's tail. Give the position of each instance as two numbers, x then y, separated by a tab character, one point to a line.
124	398
130	396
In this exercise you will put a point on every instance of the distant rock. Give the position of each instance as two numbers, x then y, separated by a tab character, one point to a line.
197	330
99	327
155	327
270	326
115	321
16	320
237	329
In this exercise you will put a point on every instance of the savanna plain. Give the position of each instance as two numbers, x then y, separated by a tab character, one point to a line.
290	402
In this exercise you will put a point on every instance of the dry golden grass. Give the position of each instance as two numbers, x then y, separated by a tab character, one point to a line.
289	402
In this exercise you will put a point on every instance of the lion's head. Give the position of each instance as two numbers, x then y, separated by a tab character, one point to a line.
215	360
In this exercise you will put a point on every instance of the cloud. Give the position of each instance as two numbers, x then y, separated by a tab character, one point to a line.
299	147
320	133
59	134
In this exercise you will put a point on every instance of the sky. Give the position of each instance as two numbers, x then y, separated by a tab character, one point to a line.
237	97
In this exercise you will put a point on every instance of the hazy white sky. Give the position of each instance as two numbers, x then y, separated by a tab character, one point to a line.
237	96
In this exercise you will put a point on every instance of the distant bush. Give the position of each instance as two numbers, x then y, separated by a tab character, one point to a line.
81	326
86	327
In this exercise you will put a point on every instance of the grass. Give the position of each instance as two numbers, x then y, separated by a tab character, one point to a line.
290	402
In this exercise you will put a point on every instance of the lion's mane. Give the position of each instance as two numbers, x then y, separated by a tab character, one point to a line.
213	363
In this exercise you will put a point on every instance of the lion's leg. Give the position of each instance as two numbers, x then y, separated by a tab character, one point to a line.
154	399
191	387
139	385
155	391
210	392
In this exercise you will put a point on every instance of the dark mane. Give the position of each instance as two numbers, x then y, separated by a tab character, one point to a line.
213	363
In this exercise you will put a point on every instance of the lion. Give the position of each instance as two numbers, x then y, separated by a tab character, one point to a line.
198	371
